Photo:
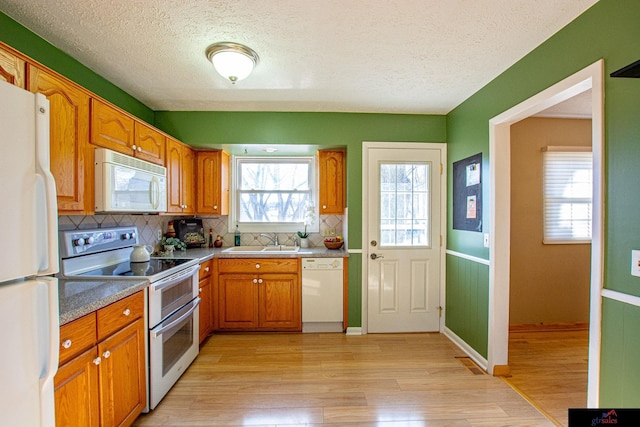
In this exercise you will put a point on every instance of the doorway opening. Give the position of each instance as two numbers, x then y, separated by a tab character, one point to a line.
588	79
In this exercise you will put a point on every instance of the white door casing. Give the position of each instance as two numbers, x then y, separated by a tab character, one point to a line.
403	253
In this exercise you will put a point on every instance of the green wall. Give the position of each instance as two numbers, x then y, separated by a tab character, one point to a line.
214	129
23	40
608	30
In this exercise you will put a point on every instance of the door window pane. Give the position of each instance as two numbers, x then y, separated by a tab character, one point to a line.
404	204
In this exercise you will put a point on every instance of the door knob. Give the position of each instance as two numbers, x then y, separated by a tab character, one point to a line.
375	256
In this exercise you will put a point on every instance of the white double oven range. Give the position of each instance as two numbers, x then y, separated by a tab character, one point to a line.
171	298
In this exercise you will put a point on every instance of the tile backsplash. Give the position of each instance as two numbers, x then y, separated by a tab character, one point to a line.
149	224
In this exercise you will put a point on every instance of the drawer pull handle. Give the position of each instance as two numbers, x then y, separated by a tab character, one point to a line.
257	265
67	344
127	312
97	361
106	354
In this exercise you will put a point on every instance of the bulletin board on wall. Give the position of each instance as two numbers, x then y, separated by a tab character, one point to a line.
467	194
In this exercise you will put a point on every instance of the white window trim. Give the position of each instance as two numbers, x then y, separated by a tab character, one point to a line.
274	227
551	241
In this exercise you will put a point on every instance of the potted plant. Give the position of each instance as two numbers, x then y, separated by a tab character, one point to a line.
169	243
309	217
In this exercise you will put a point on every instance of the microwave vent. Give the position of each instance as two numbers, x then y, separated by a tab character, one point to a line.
121	159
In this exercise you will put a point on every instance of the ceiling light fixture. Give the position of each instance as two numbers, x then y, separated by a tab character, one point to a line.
232	61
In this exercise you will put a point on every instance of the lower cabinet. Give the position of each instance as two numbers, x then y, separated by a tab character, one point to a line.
259	295
102	379
206	308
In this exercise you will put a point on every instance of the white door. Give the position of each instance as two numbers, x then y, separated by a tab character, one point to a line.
403	239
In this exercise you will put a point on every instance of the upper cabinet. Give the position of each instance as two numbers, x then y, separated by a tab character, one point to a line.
180	178
149	144
332	181
71	157
111	128
12	68
115	130
212	171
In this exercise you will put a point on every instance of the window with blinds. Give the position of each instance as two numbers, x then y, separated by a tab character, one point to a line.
567	194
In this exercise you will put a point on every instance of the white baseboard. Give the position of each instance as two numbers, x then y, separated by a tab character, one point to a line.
354	331
477	357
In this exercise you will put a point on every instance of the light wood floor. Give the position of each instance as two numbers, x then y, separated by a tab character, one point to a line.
338	380
550	368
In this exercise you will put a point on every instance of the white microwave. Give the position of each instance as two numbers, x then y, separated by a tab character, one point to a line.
126	184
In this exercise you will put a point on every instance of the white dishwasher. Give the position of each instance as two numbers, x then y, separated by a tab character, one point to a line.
322	290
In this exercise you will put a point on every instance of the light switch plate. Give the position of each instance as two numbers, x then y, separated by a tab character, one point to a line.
486	240
635	263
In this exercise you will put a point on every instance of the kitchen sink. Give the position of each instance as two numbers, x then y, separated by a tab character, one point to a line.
262	249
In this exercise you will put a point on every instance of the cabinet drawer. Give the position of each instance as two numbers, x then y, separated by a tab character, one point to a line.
77	336
258	265
119	314
205	269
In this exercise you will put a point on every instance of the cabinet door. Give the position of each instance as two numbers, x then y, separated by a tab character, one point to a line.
76	391
174	176
212	173
280	304
238	302
123	376
71	157
12	68
332	181
188	180
111	128
149	144
205	309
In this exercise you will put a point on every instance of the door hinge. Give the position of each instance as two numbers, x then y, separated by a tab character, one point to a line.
441	168
439	311
441	240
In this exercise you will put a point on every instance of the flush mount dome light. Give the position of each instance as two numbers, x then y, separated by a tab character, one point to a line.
232	61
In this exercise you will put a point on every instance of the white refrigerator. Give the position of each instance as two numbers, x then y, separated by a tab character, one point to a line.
29	316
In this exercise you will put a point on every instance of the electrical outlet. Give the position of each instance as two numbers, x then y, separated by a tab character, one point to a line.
635	263
159	234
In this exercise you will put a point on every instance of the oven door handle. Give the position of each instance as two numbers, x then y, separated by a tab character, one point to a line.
168	281
160	331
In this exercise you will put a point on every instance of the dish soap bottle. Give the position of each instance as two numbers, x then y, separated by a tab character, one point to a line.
237	236
211	237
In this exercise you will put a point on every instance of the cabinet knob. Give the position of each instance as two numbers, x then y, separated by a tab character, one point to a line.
255	280
215	206
259	280
200	290
206	269
97	361
106	354
139	149
127	312
66	344
324	206
134	147
257	265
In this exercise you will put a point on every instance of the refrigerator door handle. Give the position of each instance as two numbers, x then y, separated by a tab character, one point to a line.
46	191
50	326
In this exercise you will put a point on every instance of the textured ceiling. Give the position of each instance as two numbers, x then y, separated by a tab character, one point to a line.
394	56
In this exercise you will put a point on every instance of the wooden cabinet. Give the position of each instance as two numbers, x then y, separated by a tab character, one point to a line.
71	157
102	377
181	178
332	181
12	68
111	128
259	294
149	144
212	173
206	308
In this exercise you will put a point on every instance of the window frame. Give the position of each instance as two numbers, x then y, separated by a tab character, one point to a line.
272	227
548	239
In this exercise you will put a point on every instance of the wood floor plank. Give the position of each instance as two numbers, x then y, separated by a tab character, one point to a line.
385	380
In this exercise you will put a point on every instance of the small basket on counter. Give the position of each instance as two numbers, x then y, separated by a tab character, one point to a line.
333	244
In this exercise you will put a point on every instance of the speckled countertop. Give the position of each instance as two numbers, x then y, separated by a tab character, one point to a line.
315	252
79	297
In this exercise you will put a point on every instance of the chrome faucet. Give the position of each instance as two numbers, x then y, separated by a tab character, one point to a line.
273	239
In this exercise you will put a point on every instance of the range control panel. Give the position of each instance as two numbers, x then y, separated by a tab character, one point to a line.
82	242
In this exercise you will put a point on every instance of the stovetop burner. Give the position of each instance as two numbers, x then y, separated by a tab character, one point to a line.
146	269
